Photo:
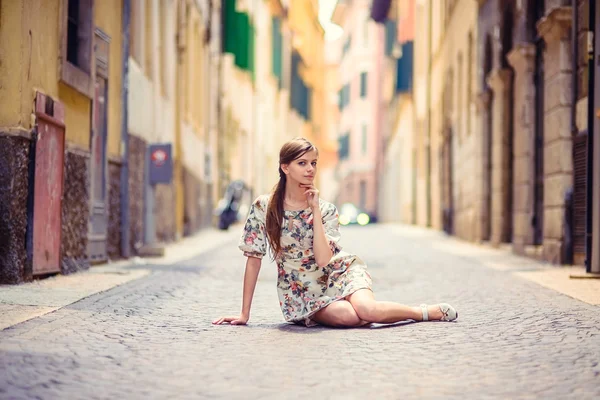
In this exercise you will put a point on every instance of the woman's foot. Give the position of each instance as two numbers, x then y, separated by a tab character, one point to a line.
438	312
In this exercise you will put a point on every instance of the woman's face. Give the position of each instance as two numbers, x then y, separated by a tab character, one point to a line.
302	170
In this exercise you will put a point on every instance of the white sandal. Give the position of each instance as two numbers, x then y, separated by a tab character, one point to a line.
448	312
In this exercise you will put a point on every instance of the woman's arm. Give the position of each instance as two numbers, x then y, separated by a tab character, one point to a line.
250	277
321	246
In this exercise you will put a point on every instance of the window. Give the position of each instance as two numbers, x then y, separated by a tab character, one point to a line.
363	84
344	96
344	146
347	95
76	45
470	62
391	37
364	139
347	45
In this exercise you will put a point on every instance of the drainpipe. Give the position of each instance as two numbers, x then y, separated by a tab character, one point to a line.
125	247
590	139
428	133
574	66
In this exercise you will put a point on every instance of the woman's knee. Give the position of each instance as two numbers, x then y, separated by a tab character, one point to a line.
346	316
339	314
366	310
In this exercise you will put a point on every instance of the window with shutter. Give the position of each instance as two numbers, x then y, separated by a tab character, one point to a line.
76	26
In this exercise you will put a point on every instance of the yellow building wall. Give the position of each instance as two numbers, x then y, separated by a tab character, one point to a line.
310	44
10	72
28	49
77	116
108	17
195	83
41	71
32	64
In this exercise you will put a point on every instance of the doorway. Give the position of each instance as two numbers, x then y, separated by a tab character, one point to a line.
98	220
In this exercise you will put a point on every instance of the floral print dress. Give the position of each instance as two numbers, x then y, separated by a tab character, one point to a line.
303	287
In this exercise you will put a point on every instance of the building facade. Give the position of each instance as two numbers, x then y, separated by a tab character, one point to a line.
61	124
501	145
360	123
396	173
533	74
273	88
106	82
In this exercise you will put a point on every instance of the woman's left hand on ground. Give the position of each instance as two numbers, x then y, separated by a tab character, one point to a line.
312	196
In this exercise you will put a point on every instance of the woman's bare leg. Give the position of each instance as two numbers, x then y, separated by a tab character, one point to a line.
387	312
339	314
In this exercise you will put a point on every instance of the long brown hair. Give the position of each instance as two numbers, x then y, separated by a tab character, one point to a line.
289	152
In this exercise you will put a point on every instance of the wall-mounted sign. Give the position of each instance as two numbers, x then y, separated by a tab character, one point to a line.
161	163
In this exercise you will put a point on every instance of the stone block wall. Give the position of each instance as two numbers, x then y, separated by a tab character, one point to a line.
555	27
114	211
75	211
14	161
137	159
522	59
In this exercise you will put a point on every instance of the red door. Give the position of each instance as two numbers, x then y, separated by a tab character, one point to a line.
48	187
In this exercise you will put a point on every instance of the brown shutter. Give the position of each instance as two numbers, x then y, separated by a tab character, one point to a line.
579	196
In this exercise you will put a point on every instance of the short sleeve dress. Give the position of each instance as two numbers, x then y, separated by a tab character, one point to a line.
303	287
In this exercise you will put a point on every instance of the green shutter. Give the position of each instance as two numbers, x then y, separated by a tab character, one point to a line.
277	57
238	36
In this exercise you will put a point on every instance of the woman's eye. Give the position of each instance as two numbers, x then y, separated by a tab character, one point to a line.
314	164
301	163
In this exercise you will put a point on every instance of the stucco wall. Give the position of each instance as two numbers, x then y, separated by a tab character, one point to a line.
192	151
77	116
107	16
33	64
149	118
28	49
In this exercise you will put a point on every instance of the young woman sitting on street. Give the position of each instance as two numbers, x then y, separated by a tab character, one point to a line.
318	283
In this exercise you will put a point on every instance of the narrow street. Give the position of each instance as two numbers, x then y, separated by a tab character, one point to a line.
153	338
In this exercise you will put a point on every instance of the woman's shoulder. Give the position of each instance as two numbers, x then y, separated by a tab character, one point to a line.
327	206
262	201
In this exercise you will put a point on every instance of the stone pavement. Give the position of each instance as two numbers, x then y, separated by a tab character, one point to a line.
19	303
152	337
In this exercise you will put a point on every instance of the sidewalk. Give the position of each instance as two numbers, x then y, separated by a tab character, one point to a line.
555	277
19	303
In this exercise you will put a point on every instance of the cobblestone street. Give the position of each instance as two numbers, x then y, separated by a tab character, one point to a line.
153	338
